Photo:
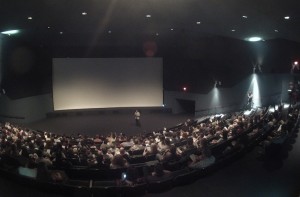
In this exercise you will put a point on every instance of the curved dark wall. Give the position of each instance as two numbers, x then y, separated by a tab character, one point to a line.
195	62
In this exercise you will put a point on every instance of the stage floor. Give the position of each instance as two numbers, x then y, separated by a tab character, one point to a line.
107	123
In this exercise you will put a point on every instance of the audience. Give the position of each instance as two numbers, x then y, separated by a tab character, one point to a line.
191	140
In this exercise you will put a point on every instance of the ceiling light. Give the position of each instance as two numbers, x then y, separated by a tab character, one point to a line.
10	32
29	18
198	22
245	16
276	30
254	39
172	29
286	17
84	13
61	32
157	34
233	30
148	16
48	27
109	31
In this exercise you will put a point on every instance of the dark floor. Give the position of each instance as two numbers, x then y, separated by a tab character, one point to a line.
252	175
105	123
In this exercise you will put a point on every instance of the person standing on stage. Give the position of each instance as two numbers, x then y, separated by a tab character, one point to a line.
137	116
250	98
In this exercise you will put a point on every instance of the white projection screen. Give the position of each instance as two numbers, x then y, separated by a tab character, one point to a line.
86	83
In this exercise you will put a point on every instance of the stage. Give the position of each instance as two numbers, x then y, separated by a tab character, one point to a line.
92	122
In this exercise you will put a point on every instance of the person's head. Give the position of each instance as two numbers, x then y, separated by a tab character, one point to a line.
173	150
118	160
104	150
167	142
154	148
122	151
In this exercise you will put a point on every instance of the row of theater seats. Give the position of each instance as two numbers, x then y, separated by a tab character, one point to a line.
82	181
75	187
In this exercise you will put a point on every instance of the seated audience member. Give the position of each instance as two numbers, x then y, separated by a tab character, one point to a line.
170	155
118	161
24	156
100	163
124	154
167	132
107	157
150	150
136	146
97	140
44	158
187	148
58	176
92	161
164	144
184	135
59	159
202	161
225	134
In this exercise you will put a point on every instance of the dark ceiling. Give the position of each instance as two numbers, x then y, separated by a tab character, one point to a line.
200	40
118	22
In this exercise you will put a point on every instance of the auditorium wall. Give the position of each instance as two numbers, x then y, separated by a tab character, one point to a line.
272	90
272	87
26	109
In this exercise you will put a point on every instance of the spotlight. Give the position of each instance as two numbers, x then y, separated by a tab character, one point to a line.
10	32
254	39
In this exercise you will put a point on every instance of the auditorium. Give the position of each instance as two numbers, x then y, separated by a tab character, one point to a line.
149	98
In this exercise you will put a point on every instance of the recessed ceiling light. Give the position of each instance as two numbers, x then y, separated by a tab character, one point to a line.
148	16
61	32
157	34
245	16
254	39
48	27
276	30
233	30
29	17
172	29
84	13
198	22
109	31
286	17
10	32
